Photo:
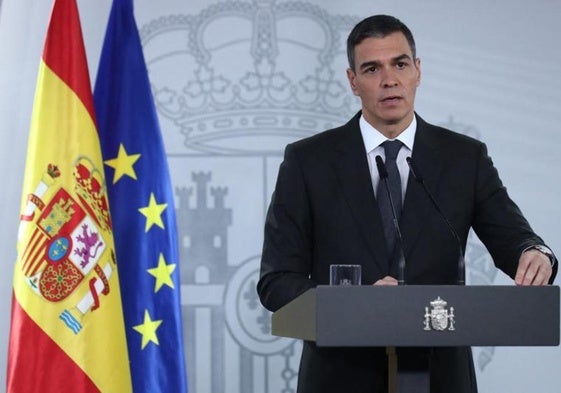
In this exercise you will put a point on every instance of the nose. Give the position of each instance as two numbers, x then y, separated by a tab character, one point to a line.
389	78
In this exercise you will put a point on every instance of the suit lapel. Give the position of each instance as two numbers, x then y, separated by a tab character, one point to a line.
351	167
417	205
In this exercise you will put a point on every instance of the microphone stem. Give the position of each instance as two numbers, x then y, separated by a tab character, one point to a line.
401	260
461	268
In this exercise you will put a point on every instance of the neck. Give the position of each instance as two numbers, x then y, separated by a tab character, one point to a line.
392	133
391	130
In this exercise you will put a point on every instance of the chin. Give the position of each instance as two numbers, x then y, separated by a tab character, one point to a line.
396	118
393	120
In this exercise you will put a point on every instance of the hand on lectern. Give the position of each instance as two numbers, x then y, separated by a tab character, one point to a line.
388	280
534	268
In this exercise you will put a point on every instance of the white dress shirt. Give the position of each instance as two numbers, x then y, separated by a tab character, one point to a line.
373	140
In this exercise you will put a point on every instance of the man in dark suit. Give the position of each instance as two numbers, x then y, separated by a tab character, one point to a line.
326	210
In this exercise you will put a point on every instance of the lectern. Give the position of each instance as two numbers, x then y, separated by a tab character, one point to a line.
422	316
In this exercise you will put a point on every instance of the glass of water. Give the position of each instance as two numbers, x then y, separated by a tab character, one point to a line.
344	275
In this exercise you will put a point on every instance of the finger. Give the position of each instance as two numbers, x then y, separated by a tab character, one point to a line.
538	278
542	275
538	272
523	274
531	273
521	271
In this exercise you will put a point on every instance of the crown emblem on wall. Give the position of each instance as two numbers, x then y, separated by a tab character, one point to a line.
260	69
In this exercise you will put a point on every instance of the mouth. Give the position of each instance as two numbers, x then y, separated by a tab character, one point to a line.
389	100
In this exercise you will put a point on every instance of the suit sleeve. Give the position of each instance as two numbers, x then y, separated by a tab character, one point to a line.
286	258
498	221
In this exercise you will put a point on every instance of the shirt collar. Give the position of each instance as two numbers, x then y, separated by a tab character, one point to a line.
373	138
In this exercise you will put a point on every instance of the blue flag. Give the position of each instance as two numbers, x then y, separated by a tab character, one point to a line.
142	208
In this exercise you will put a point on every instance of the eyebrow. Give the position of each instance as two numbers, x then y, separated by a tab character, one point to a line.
396	59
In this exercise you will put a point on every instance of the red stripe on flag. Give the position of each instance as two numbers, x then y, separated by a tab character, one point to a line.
64	51
36	364
35	267
30	254
29	250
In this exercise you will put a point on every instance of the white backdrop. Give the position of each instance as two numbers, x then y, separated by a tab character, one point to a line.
489	69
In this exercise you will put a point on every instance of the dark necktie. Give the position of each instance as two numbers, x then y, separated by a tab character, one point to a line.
394	182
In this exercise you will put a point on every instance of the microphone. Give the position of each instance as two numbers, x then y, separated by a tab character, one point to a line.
383	172
461	262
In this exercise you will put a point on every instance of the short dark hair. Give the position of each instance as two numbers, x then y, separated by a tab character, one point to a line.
377	26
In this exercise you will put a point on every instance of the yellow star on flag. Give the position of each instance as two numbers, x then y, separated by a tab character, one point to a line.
123	164
153	213
148	330
162	273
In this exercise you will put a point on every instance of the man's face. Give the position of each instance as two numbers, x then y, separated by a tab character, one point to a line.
386	78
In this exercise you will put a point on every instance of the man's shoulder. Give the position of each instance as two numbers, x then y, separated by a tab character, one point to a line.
325	137
330	137
441	136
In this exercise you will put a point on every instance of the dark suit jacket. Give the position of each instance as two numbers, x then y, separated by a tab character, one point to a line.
324	211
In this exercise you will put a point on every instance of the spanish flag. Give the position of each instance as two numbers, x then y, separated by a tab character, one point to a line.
67	330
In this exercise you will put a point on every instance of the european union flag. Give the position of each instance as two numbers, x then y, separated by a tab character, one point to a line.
142	208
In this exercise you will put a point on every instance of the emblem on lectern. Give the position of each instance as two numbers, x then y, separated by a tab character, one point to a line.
439	317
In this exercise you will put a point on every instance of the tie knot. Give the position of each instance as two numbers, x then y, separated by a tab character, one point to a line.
392	148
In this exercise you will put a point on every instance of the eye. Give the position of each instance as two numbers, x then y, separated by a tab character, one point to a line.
371	69
402	64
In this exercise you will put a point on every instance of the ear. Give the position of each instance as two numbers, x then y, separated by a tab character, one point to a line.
351	76
418	67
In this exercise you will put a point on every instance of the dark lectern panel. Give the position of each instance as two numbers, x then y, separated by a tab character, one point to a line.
400	316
